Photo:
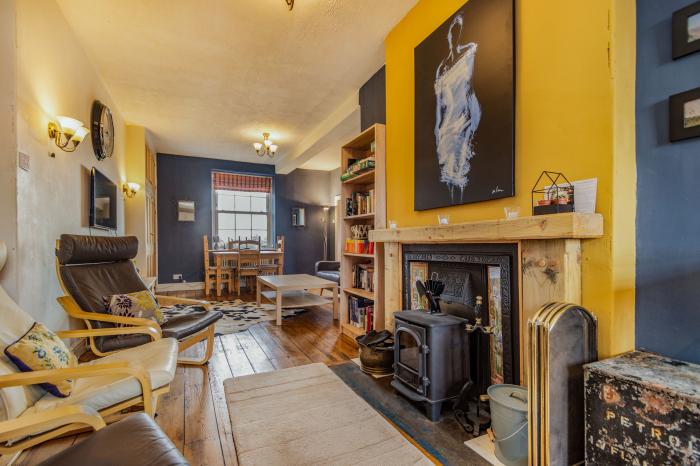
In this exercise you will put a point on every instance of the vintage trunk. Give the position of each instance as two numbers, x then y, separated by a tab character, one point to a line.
642	409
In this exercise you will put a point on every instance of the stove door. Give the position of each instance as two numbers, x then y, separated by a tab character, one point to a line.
410	356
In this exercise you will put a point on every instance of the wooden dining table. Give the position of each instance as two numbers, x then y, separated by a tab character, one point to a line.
222	254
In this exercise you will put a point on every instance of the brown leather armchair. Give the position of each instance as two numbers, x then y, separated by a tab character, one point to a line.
135	440
92	267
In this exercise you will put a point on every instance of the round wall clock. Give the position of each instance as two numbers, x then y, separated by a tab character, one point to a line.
102	130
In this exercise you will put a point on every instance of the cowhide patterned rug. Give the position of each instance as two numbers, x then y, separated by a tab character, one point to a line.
238	315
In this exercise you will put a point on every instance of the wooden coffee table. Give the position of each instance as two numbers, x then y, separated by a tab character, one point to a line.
291	291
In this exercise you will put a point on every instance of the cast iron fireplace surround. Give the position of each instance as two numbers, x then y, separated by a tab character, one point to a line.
477	257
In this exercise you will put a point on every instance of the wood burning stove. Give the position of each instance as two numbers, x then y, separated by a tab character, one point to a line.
431	358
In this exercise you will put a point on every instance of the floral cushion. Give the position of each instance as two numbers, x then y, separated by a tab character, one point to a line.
140	304
41	349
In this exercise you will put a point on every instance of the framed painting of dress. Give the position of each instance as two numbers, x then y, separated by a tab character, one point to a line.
465	108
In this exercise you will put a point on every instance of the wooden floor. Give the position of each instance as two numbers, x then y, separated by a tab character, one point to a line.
194	413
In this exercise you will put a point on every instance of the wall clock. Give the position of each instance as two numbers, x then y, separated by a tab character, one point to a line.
102	130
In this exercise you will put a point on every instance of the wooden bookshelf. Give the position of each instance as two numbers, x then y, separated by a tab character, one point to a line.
366	177
359	292
357	217
373	179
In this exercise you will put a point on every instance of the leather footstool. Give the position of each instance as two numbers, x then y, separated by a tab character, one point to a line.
134	441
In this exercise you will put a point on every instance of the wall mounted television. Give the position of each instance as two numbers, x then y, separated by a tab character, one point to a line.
103	201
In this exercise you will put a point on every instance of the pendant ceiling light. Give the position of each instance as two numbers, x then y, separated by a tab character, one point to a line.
266	147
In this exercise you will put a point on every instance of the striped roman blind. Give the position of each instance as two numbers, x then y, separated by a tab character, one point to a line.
237	182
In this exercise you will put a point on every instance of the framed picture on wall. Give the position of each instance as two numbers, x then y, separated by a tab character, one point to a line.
185	211
465	108
684	115
686	30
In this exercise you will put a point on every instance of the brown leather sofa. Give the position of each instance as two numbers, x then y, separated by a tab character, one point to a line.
93	267
134	441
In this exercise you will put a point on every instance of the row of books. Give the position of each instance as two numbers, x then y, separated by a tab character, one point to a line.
363	276
359	246
357	168
360	203
361	312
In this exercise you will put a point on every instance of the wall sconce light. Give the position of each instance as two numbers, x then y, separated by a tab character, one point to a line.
130	189
67	133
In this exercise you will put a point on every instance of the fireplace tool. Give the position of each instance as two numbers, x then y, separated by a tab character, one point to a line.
431	289
479	420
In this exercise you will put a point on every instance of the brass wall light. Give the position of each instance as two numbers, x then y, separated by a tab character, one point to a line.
130	189
67	133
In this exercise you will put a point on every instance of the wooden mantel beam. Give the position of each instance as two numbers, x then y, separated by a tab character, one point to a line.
541	227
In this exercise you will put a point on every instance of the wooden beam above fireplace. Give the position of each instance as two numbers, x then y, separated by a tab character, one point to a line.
541	227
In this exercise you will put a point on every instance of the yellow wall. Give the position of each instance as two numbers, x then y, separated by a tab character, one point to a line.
568	84
135	208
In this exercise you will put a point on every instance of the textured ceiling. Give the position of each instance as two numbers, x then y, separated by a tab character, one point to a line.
208	77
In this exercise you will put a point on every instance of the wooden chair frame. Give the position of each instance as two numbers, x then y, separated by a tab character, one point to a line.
71	307
64	420
228	274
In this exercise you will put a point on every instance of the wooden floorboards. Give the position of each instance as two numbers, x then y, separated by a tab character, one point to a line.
194	414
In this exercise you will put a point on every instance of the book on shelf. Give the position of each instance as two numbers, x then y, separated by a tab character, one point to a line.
361	312
359	246
357	167
363	277
359	203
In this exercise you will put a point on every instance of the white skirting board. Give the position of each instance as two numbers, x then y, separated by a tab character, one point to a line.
485	448
179	286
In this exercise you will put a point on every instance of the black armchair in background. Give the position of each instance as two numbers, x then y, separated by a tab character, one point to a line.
329	270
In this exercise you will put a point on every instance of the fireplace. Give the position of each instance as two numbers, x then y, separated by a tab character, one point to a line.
471	270
530	260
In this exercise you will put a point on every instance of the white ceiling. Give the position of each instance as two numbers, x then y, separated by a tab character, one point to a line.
207	77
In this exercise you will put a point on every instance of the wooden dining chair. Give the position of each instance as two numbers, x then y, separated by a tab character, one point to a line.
227	272
248	262
273	265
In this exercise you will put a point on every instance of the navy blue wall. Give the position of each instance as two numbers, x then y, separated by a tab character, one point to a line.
373	100
668	194
180	178
180	249
308	189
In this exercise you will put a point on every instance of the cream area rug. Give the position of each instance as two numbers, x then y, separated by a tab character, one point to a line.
306	415
238	315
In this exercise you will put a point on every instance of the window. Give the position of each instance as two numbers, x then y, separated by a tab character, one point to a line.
242	207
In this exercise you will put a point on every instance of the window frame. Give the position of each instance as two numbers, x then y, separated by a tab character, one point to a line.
271	237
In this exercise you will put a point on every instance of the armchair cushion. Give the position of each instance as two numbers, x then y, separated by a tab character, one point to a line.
15	400
14	322
178	327
158	359
81	249
327	266
138	304
40	349
328	270
135	440
183	326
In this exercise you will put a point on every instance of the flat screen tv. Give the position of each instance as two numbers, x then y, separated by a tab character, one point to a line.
103	202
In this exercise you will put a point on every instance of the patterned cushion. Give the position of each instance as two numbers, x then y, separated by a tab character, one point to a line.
41	349
139	304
